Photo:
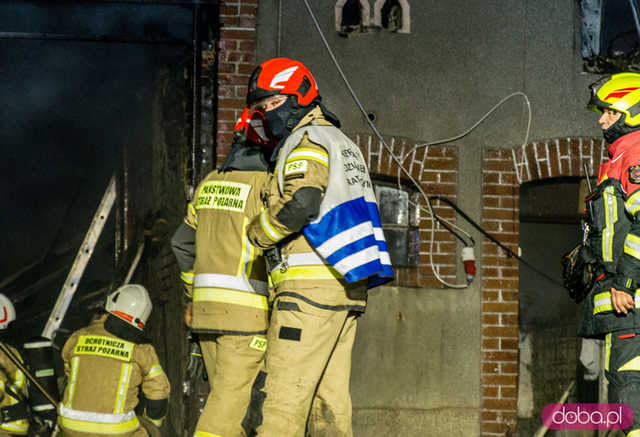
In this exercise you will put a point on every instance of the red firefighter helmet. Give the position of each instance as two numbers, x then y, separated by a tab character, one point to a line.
282	76
252	125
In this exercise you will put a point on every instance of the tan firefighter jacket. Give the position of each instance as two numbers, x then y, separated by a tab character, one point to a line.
302	270
104	375
11	376
230	288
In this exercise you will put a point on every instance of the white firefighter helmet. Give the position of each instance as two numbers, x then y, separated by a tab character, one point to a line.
7	312
130	303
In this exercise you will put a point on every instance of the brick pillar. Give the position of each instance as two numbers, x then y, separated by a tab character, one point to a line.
504	170
236	61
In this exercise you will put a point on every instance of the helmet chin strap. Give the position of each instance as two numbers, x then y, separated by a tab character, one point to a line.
617	129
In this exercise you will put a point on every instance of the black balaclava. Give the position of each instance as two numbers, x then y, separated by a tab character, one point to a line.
616	130
279	119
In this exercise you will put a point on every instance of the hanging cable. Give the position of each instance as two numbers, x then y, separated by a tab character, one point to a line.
467	250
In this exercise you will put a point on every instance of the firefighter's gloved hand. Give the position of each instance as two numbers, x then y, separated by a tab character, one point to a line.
195	366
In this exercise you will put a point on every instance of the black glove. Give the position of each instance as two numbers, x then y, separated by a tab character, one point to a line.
579	272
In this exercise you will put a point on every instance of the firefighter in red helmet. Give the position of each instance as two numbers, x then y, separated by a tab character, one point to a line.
325	249
225	277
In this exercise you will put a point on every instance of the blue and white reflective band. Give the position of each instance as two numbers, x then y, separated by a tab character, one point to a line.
217	280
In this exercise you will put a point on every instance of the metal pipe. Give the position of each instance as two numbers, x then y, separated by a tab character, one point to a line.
636	20
197	98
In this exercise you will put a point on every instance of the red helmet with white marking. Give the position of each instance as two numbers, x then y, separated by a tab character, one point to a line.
7	312
282	76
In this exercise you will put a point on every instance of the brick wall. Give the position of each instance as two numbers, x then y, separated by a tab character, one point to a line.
236	61
435	168
503	172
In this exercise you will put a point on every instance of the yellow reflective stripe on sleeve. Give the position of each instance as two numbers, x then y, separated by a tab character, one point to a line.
602	302
304	273
15	427
632	204
199	433
187	277
271	232
312	154
193	212
607	351
632	245
18	380
633	364
123	386
71	387
248	253
212	294
155	370
611	217
99	427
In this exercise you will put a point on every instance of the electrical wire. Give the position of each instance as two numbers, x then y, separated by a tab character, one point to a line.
401	160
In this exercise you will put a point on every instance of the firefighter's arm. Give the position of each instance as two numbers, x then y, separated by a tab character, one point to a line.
306	176
627	276
155	387
183	244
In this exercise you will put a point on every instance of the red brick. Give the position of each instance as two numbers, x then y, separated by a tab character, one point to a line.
490	343
499	355
490	391
238	34
490	368
498	190
500	331
499	307
499	404
498	165
490	319
491	427
508	368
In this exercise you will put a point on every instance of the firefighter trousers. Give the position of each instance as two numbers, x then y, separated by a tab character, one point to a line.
232	363
622	370
140	432
308	367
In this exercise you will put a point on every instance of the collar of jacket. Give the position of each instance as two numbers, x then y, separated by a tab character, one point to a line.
623	143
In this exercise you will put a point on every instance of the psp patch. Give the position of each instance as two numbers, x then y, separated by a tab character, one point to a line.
634	174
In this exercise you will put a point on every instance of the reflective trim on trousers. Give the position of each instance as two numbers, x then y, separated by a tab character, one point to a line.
236	297
217	280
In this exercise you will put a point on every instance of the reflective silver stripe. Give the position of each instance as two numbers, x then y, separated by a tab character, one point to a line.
155	370
229	281
37	344
123	385
72	380
43	407
611	217
304	259
44	372
91	416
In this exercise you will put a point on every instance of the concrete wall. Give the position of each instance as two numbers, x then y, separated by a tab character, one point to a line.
417	358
